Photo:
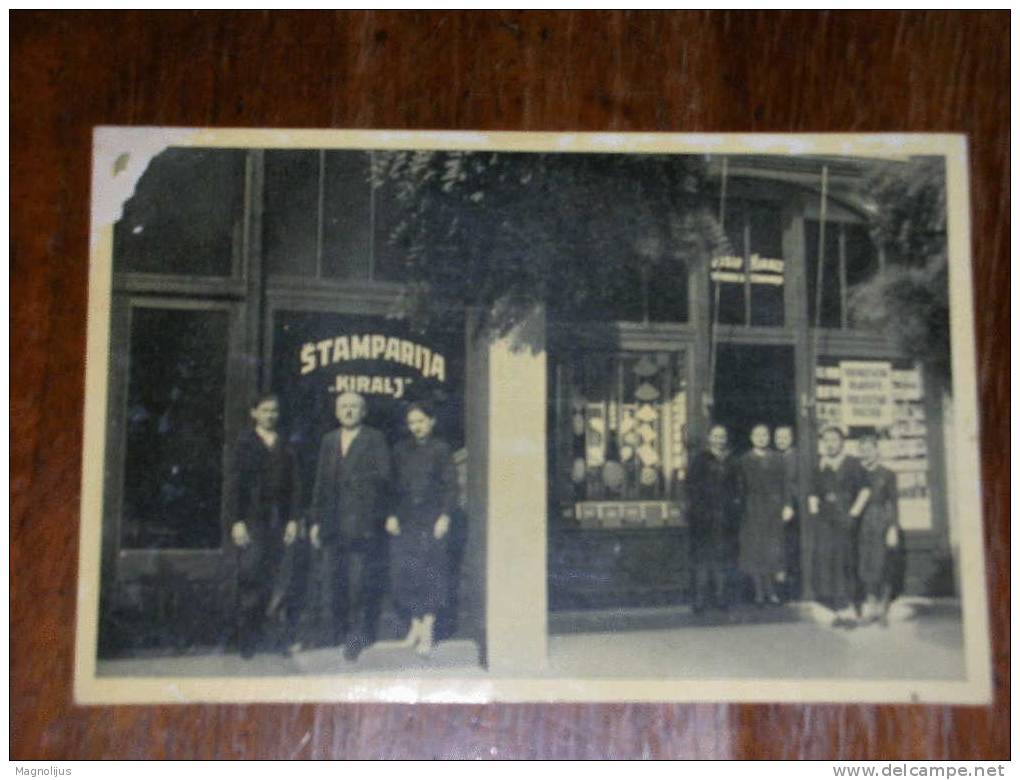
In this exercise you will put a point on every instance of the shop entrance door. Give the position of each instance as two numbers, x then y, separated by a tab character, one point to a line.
757	384
754	384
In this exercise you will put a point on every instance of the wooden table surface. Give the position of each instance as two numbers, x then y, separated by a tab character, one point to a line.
649	71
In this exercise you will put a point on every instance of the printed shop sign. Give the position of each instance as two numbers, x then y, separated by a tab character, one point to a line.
378	354
866	393
317	356
764	270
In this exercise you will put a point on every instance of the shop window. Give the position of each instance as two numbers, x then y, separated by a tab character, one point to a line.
621	438
324	220
861	260
290	242
186	215
347	217
174	424
747	285
850	259
885	397
389	258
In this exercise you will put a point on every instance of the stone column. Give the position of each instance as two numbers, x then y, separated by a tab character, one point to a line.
507	493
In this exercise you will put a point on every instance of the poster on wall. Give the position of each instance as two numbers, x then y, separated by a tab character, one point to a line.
866	393
886	398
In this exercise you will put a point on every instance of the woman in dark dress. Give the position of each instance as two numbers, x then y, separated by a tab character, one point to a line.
713	485
838	493
766	506
419	526
879	534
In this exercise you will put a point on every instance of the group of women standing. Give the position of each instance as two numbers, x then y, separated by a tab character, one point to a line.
741	509
738	506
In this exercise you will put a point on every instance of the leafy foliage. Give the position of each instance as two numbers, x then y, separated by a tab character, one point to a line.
502	232
909	300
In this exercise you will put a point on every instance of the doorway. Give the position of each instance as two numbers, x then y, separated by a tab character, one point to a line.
754	384
757	384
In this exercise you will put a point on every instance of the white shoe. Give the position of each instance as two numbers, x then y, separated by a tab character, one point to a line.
869	612
413	634
425	640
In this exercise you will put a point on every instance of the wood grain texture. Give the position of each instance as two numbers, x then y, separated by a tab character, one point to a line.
683	71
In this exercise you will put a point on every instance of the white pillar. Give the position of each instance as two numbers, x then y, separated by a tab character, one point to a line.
508	494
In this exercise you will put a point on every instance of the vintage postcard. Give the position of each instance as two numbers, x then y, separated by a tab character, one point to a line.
459	416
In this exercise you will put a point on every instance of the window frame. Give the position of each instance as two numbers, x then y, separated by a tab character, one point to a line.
237	283
569	339
131	563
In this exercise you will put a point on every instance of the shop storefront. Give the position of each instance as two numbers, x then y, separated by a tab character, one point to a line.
243	270
236	271
760	344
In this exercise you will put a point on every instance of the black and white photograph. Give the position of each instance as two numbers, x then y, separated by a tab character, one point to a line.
460	416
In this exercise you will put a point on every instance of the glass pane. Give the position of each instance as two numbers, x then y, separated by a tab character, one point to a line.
861	259
727	281
831	303
767	266
185	216
290	221
347	217
174	429
390	257
623	428
679	439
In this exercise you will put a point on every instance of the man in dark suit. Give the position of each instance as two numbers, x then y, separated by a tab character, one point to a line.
346	531
266	497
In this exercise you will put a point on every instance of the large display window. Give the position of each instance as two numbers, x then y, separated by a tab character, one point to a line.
173	445
622	438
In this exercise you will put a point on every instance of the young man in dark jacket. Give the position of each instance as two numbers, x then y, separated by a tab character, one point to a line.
266	500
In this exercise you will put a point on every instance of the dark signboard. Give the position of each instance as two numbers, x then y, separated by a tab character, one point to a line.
318	355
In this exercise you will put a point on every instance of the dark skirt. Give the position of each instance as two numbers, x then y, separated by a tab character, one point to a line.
420	563
872	551
713	543
835	579
761	533
761	541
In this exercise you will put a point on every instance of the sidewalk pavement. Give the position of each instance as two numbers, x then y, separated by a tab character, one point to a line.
924	640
